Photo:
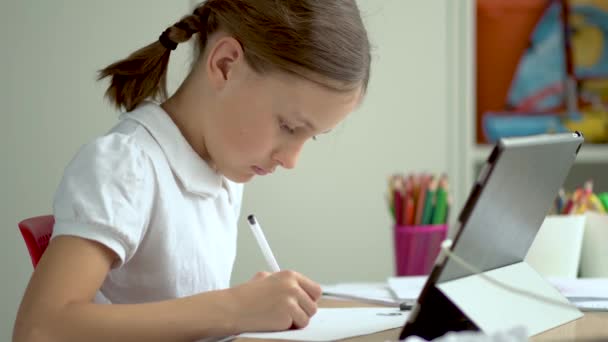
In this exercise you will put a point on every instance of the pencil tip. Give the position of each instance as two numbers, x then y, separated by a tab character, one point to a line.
251	219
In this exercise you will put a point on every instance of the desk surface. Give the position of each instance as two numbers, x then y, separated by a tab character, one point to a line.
591	327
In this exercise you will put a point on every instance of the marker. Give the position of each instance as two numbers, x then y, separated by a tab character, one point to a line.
259	237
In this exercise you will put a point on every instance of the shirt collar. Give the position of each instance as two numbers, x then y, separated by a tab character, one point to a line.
192	171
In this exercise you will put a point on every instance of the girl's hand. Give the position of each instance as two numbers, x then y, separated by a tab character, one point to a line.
273	302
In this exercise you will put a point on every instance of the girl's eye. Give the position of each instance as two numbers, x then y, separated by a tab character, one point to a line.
286	128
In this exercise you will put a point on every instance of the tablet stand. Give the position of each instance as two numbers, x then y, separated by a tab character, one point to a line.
473	303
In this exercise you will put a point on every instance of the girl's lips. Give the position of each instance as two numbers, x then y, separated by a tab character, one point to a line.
259	171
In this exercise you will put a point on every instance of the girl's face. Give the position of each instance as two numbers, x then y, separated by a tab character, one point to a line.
255	123
261	122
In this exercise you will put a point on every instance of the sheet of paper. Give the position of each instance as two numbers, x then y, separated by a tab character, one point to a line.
339	323
377	293
592	305
582	287
407	288
515	334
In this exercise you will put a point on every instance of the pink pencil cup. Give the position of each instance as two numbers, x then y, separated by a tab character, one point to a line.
417	247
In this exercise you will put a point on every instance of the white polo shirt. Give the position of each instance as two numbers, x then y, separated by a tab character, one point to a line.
143	192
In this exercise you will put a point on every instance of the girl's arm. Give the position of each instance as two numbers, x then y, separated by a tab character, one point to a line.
57	305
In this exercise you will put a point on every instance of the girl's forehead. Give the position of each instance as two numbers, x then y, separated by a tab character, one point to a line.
302	87
321	108
302	99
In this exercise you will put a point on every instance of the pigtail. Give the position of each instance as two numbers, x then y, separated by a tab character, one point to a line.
143	74
323	41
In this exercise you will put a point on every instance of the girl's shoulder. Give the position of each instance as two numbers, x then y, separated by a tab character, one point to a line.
115	157
128	141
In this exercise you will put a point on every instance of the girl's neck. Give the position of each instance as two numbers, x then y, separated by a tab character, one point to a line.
189	123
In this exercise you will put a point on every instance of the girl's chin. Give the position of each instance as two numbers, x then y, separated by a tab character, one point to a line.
240	178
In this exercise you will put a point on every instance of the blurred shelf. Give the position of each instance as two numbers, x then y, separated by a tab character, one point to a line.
589	153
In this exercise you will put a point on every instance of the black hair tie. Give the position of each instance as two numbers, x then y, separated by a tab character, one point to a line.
166	41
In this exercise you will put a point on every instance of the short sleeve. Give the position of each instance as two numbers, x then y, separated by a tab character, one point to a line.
105	195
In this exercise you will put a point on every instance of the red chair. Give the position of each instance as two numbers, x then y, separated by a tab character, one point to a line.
37	232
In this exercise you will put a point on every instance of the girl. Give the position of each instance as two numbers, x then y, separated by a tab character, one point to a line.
146	215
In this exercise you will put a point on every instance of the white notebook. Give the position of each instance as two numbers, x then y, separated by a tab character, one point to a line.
341	323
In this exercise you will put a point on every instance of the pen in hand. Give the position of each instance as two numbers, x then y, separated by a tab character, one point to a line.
274	266
259	237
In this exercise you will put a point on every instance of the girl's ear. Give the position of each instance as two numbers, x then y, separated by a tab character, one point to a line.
222	61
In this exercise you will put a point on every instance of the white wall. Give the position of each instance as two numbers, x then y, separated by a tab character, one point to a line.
327	219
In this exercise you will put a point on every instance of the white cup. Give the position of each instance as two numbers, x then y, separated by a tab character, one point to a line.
557	248
594	258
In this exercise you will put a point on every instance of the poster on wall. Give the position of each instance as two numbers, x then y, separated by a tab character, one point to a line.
542	67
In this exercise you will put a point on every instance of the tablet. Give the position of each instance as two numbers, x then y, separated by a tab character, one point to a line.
505	209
